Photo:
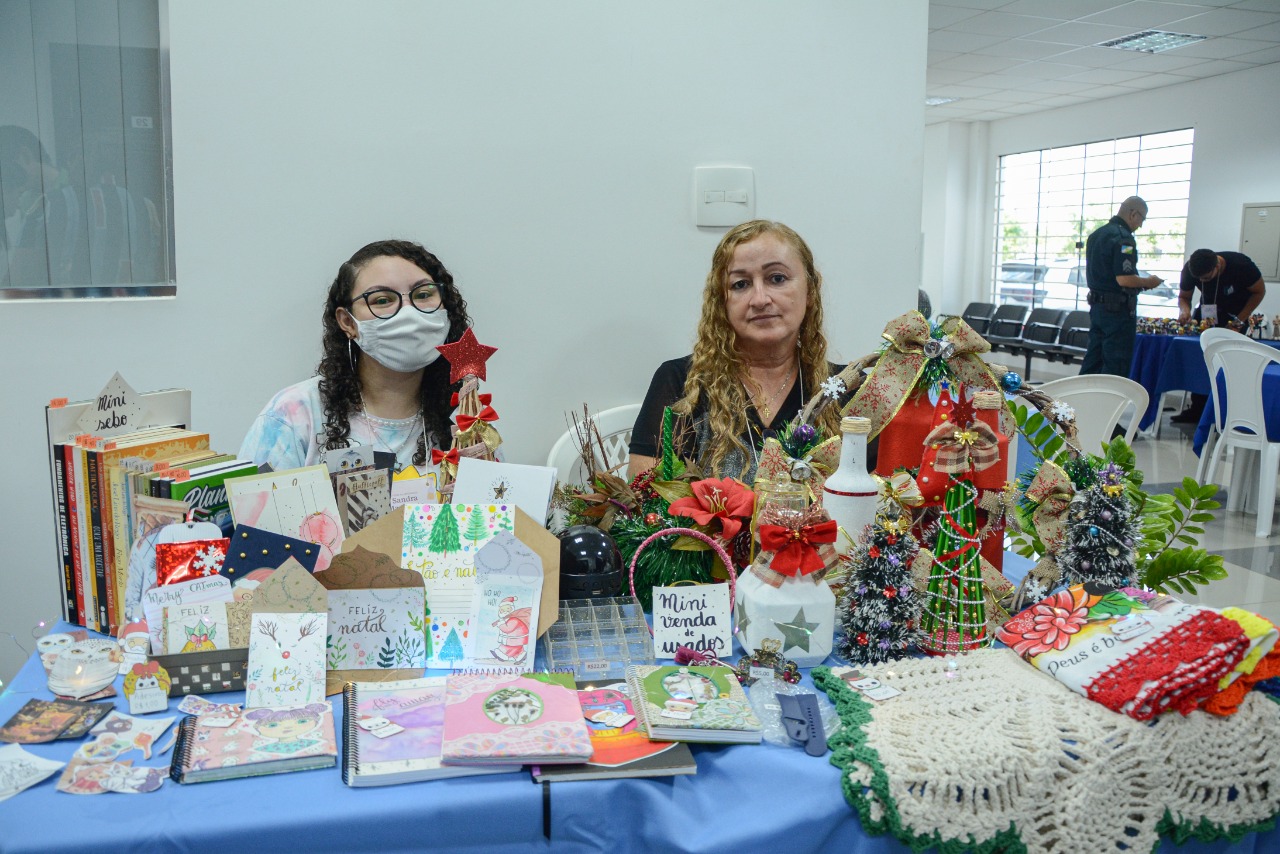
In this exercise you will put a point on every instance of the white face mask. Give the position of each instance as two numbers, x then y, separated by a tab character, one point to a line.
406	342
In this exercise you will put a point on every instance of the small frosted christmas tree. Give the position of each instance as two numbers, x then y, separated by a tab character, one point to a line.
415	533
444	533
477	530
879	611
1101	534
452	649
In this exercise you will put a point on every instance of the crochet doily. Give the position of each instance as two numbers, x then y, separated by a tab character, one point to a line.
995	756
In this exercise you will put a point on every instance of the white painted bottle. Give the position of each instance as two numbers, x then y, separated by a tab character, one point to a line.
850	495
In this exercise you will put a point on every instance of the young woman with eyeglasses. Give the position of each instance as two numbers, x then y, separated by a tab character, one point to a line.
381	382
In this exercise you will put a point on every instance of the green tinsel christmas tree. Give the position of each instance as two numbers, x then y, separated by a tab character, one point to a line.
879	611
1101	533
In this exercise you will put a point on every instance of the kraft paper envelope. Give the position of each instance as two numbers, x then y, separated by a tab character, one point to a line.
359	570
386	536
290	590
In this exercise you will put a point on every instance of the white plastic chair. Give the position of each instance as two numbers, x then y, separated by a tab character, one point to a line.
1208	339
1099	400
615	432
1242	363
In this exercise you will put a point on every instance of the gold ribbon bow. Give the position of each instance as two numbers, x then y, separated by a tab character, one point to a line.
899	367
1052	491
898	492
822	460
973	447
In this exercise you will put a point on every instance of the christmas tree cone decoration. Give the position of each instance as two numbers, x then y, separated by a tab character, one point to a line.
953	616
1101	534
473	431
879	611
784	595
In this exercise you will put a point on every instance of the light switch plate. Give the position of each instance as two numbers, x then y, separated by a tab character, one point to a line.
723	195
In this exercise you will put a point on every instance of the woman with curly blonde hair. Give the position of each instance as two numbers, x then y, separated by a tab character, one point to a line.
760	354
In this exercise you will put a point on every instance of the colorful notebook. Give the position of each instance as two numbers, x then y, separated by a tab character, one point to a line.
619	746
392	733
503	718
261	741
703	704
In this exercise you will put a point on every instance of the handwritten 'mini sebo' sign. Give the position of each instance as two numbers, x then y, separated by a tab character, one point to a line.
695	616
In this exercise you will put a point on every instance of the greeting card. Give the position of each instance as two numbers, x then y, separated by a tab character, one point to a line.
39	721
255	553
197	591
488	482
297	503
504	605
440	541
363	497
286	659
195	627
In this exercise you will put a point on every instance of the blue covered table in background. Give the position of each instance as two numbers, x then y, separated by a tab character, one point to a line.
1164	363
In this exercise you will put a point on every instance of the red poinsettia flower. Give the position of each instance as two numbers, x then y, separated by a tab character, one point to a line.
725	499
1047	625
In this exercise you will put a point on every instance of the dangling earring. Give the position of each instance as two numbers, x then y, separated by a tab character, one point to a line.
351	357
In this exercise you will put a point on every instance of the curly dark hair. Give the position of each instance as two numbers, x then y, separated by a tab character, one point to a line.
339	381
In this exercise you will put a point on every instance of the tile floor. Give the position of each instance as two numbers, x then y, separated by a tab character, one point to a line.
1253	563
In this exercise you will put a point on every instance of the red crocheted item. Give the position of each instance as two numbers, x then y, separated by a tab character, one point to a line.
1175	671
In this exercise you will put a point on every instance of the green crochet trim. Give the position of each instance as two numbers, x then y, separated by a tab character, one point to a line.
875	807
879	813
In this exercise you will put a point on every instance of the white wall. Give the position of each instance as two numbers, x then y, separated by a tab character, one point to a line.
544	151
1236	159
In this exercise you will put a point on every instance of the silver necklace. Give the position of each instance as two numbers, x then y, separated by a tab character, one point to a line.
380	437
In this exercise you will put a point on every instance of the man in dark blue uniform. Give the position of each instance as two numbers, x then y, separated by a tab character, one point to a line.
1111	259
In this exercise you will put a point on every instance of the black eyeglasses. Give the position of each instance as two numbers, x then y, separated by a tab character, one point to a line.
385	303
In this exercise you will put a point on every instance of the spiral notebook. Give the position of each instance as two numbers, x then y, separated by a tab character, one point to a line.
500	718
392	732
700	704
260	741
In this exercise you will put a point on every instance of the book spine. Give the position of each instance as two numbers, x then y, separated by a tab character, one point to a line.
104	595
86	541
69	612
182	749
350	733
73	531
121	535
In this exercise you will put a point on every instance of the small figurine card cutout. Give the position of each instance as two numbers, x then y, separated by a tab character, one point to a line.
441	541
286	659
377	615
488	482
119	733
40	721
195	628
209	713
82	777
504	605
21	770
135	645
51	646
297	503
117	409
195	592
146	687
696	616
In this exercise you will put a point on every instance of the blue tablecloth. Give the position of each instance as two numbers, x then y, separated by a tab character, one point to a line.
1270	404
1164	363
743	798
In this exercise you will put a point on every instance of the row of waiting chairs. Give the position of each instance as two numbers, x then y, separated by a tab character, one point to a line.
1052	333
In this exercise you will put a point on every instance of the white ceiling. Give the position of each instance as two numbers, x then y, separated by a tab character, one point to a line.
1004	58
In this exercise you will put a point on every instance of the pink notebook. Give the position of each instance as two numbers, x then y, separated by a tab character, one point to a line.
505	718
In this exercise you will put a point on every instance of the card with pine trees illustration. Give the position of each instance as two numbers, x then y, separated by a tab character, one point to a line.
440	542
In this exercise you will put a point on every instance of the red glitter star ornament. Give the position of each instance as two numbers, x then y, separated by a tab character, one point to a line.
466	357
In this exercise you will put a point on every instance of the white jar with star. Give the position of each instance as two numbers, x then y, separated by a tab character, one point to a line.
783	595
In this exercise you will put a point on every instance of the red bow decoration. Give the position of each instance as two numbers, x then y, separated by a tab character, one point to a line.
487	414
795	551
438	456
149	669
485	399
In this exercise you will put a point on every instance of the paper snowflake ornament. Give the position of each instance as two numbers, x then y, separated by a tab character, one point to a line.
1062	411
1035	590
833	387
209	560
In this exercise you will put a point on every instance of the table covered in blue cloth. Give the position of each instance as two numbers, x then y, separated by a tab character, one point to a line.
1164	363
1270	408
743	798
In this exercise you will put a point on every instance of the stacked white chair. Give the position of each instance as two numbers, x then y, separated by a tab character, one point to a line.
1099	401
614	426
1208	339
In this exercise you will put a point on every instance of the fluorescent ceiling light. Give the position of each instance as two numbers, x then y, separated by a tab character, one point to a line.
935	101
1153	41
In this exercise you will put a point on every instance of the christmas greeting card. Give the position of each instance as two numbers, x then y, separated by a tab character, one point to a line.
488	482
195	627
376	614
286	659
504	605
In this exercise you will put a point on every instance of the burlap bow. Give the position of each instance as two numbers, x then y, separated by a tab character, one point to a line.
961	449
899	367
822	461
1051	490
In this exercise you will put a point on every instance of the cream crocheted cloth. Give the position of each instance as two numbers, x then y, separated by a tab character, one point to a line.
994	751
